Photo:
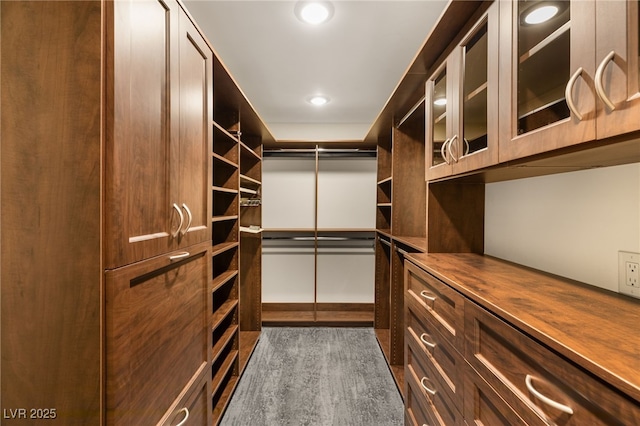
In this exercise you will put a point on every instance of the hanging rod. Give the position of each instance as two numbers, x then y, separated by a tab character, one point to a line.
320	151
319	238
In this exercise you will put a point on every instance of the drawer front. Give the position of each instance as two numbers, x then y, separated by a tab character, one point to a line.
483	406
541	386
194	408
416	414
158	335
441	358
444	305
442	409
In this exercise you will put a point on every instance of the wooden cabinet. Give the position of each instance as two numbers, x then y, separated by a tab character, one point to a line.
461	98
542	387
524	359
569	79
157	332
158	139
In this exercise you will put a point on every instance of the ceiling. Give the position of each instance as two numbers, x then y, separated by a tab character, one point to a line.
356	59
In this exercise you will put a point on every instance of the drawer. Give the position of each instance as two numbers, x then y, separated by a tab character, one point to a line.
442	359
416	413
193	408
443	410
542	386
444	305
157	333
483	406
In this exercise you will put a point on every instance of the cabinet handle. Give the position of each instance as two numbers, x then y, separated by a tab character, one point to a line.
443	151
186	416
402	252
186	228
425	387
550	402
175	234
179	256
599	76
427	296
569	96
454	158
423	338
466	146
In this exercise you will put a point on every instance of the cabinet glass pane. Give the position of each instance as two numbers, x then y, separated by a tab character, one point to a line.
475	92
439	116
543	63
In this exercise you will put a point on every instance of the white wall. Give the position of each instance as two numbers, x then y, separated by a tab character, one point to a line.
571	224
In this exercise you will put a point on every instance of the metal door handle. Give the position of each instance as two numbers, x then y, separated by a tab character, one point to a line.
599	76
443	152
427	296
184	206
423	337
186	416
454	158
175	234
425	387
550	402
179	256
568	93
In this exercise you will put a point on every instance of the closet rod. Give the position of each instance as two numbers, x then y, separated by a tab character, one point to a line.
321	152
320	238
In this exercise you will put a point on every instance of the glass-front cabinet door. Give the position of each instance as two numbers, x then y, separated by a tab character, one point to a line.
462	103
549	63
617	77
438	116
477	96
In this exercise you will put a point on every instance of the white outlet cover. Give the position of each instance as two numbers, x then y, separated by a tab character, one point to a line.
623	258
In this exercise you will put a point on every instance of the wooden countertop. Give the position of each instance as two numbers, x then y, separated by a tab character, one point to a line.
596	329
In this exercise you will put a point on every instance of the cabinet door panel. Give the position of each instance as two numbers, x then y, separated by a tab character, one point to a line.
157	333
617	30
195	128
138	163
538	63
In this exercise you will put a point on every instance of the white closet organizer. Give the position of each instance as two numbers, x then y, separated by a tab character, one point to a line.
318	250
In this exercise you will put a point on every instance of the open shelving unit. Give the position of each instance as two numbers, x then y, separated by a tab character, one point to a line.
238	134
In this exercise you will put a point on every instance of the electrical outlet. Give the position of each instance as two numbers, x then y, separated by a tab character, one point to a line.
629	273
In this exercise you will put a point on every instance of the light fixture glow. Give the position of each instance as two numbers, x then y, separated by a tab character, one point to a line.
440	101
318	100
314	12
541	14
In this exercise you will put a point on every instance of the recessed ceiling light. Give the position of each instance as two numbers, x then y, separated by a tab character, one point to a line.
314	12
440	101
318	100
541	14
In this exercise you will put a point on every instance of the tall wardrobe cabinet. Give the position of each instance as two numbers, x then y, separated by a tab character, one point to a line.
106	226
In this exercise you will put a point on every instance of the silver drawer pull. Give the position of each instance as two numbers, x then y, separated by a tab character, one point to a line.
179	256
550	402
426	295
423	338
186	416
425	387
568	93
175	234
599	76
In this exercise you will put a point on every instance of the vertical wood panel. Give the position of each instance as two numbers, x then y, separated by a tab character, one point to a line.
50	198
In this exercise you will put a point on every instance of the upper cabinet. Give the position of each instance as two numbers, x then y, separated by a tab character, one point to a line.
462	133
157	141
570	74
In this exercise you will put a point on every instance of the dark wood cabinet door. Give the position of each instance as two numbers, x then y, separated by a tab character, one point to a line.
141	81
158	335
195	127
